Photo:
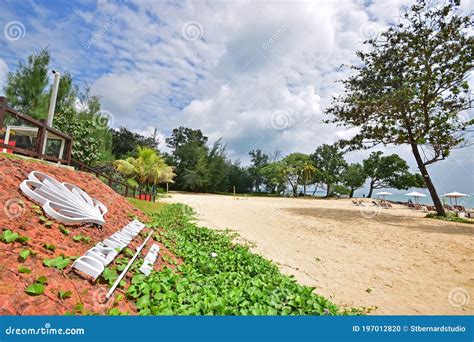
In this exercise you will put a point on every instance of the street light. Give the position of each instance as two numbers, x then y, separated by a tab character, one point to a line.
52	106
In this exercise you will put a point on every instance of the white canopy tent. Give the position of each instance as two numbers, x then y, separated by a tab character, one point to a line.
454	195
416	195
383	194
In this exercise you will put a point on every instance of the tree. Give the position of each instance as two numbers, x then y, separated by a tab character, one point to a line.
25	87
275	176
329	162
259	160
239	177
389	172
217	168
187	145
353	177
293	166
183	135
67	94
125	142
411	87
196	179
86	147
147	169
308	171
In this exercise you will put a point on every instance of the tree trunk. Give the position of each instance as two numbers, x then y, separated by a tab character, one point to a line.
371	189
429	184
328	189
315	188
304	189
351	193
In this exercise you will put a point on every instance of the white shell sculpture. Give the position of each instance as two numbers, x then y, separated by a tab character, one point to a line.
64	202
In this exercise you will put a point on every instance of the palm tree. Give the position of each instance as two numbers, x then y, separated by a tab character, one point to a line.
308	171
147	169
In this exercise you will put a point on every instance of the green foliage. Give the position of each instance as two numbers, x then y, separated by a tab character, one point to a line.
110	275
64	294
147	169
42	280
81	238
389	172
330	164
259	161
24	254
8	236
353	177
22	239
27	91
274	175
23	269
411	85
85	144
49	247
59	262
450	217
35	289
297	169
116	312
25	86
125	142
147	207
236	282
63	230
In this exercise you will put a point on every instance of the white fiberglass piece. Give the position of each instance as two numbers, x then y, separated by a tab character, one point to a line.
64	202
103	253
150	259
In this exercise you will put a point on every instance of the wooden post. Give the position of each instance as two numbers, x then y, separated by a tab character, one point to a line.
167	188
126	190
3	107
40	139
234	191
69	152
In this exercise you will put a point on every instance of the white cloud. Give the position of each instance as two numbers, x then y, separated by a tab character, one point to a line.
259	67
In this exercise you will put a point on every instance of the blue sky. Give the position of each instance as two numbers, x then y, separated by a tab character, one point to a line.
257	74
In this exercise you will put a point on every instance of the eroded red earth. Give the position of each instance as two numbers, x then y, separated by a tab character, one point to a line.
17	213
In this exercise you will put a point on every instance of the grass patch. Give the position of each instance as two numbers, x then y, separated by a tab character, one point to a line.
218	277
149	208
451	217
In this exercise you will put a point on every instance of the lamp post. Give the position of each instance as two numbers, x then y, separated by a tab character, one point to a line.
52	106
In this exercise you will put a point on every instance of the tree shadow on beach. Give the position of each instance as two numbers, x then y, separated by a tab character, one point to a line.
417	223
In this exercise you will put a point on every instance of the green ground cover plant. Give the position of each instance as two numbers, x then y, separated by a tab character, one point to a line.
218	277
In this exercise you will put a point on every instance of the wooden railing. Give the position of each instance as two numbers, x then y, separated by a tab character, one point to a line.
39	129
38	150
122	188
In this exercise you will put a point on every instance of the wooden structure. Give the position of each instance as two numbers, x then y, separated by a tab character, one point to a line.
12	121
36	130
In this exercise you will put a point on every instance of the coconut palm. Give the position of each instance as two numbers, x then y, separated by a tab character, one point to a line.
308	170
148	168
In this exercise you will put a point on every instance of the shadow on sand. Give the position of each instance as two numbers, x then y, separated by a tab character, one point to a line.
416	223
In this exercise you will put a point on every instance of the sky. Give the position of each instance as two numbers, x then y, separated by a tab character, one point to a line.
256	74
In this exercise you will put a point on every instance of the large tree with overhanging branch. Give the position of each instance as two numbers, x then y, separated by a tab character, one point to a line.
411	87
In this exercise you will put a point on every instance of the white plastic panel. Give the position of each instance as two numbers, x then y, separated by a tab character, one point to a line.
150	259
64	202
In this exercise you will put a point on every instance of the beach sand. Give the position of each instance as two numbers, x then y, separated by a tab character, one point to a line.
392	259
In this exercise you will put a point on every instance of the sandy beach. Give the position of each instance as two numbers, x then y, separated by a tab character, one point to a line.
392	259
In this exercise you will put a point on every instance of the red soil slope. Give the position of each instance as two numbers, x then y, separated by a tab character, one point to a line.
17	213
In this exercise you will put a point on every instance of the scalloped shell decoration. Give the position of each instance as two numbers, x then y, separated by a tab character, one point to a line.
64	202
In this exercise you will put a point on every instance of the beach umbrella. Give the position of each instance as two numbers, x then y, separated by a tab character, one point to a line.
416	195
383	194
454	195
